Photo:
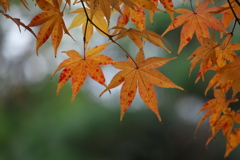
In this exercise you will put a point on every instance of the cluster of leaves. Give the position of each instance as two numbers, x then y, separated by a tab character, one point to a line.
140	73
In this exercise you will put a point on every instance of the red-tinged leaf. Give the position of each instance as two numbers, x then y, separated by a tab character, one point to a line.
225	52
41	19
168	5
46	6
78	68
151	12
141	75
45	32
232	141
52	22
215	107
78	78
229	76
148	95
228	15
136	15
56	35
207	54
225	122
128	92
195	22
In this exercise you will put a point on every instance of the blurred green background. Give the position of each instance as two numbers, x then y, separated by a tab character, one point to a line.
35	124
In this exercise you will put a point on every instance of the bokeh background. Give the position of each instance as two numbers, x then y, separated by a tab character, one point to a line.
35	124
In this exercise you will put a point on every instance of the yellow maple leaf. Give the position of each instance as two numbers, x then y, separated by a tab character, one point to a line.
81	19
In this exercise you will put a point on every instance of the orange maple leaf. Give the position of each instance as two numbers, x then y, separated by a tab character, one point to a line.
207	54
228	15
196	21
168	5
140	74
225	52
79	67
53	24
136	13
138	37
213	53
232	141
224	122
215	107
227	77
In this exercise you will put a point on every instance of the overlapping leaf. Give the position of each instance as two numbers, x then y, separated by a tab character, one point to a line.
140	75
136	13
79	67
232	141
81	19
52	24
196	22
213	53
136	36
5	5
228	15
227	77
207	54
215	107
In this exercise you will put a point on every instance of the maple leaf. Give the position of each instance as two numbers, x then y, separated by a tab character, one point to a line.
215	107
232	141
53	24
168	5
212	53
225	52
227	77
207	54
151	12
228	16
140	75
224	122
81	19
5	5
79	67
196	21
136	36
136	13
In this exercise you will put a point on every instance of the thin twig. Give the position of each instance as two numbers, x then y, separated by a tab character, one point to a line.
109	36
235	15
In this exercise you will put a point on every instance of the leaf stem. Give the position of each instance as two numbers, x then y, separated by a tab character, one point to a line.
235	15
109	36
192	6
